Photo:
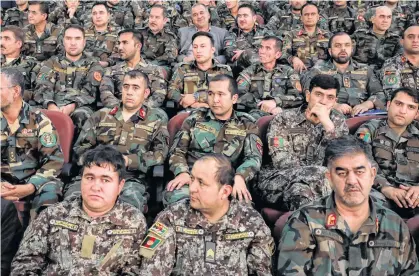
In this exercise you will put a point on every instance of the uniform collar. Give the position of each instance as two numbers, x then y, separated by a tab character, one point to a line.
140	115
213	64
260	68
211	116
77	62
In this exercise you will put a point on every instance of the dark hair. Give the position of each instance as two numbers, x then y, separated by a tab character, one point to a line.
15	77
224	172
17	32
232	84
136	35
74	26
404	31
101	3
250	7
137	74
309	4
324	82
278	41
204	34
158	6
346	145
409	91
43	6
335	35
102	156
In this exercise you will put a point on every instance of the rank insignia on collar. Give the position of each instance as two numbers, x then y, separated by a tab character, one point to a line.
141	112
113	111
331	221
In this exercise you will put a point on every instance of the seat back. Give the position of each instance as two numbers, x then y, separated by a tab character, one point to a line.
263	124
175	124
355	122
65	129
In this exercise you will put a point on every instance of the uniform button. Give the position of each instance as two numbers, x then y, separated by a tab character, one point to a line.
52	221
318	232
251	234
109	232
371	243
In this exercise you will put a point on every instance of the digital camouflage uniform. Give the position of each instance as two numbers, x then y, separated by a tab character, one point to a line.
228	20
64	240
32	154
183	242
372	50
399	72
357	84
63	82
341	19
309	49
317	241
297	149
189	79
14	16
202	133
101	44
60	17
111	85
44	47
161	48
281	84
143	139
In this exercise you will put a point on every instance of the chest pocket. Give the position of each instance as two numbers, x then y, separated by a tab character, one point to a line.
258	85
232	249
28	140
299	140
412	153
234	140
279	84
107	134
329	243
204	136
384	252
191	82
142	136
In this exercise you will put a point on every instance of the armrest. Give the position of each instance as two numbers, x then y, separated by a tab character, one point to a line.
158	171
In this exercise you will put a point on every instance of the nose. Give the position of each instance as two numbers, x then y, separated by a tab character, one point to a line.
96	185
351	178
403	109
193	187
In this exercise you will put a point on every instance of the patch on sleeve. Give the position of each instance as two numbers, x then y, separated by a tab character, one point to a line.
229	43
159	229
390	79
277	142
97	76
241	82
48	140
365	136
149	245
259	145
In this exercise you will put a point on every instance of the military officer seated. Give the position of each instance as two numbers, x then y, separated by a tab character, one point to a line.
92	234
347	233
210	234
18	15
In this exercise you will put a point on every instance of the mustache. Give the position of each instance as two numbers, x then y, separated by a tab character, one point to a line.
350	188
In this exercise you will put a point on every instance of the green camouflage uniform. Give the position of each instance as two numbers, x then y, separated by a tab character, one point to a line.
159	49
44	47
372	50
186	243
357	84
297	149
309	49
143	139
32	155
111	85
398	72
64	240
122	14
101	44
341	19
281	84
63	82
14	16
188	79
201	134
317	241
59	16
228	20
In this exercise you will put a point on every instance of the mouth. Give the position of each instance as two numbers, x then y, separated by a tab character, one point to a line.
95	197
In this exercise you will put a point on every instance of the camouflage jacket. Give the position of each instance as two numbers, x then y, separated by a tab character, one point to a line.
122	14
281	84
372	50
397	157
143	139
101	44
44	47
14	16
341	20
111	85
188	79
64	240
294	141
357	84
298	43
317	241
185	243
200	135
33	153
63	82
59	16
399	72
225	19
161	48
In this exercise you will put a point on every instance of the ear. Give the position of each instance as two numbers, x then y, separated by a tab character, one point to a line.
226	191
165	20
16	91
373	172
121	185
330	52
388	105
146	93
235	98
213	50
307	96
20	43
278	54
254	18
329	177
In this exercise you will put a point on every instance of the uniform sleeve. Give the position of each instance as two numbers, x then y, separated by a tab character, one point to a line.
230	45
252	156
176	85
307	76
107	90
171	50
44	91
87	138
260	252
179	151
158	86
287	48
291	95
375	90
133	260
410	264
341	128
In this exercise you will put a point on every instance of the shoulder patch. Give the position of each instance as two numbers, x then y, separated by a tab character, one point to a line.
159	229
149	245
48	139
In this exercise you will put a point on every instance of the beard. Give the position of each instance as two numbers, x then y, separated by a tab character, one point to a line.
341	60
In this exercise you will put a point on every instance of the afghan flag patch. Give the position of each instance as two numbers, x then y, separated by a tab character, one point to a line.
149	245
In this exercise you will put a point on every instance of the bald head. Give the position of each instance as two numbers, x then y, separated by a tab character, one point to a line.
382	19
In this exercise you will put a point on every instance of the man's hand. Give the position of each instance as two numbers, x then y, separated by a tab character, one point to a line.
397	195
361	108
179	181
240	190
344	108
237	55
276	110
321	113
71	12
267	105
68	109
104	64
298	64
199	105
126	160
187	100
16	192
53	107
412	195
188	58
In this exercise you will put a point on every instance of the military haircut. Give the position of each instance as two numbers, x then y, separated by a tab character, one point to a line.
409	91
232	84
137	74
336	35
103	156
43	6
74	26
344	146
248	6
278	41
309	4
324	82
136	35
204	34
101	3
225	172
15	77
405	30
17	32
163	8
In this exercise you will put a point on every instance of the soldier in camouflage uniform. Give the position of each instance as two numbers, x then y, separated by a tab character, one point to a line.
360	89
376	44
122	13
12	41
69	83
44	45
267	87
95	234
340	17
210	234
72	12
31	156
228	13
403	69
138	132
297	139
305	46
219	129
347	233
189	84
18	15
130	44
395	147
